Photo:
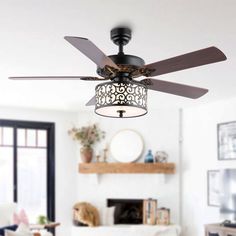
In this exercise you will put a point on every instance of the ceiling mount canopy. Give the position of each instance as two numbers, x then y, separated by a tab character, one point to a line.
124	96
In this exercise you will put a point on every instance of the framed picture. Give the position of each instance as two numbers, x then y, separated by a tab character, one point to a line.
226	136
213	188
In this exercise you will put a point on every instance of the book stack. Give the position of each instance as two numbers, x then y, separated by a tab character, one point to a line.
163	216
149	211
153	215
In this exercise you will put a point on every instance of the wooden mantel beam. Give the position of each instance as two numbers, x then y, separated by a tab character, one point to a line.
127	168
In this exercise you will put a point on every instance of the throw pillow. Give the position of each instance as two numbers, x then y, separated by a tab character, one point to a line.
12	233
7	211
22	230
109	216
46	233
10	227
20	218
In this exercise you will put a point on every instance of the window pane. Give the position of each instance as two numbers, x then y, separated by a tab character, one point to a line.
31	137
42	138
6	174
32	181
21	137
7	136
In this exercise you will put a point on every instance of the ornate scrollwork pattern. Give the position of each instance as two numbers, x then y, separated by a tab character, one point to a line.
121	93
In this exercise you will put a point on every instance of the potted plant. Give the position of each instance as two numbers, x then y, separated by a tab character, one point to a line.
42	220
87	136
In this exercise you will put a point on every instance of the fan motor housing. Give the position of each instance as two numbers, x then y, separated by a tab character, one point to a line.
122	59
127	64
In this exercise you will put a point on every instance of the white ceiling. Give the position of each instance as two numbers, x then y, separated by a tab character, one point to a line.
31	43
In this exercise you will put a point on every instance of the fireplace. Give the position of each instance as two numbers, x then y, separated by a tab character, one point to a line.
127	211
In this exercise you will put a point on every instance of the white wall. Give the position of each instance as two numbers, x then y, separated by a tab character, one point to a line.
160	131
200	155
66	163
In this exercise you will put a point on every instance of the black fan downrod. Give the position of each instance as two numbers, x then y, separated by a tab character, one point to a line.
120	37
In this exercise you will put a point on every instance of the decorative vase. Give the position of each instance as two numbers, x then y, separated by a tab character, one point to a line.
161	156
86	154
149	157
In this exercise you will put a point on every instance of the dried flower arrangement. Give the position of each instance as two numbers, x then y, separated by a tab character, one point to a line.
87	135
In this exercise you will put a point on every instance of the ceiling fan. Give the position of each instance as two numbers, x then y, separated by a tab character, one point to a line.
123	95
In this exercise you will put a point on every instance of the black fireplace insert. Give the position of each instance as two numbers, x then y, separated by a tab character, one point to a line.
127	211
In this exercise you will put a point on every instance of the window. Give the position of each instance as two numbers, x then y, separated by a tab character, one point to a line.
27	168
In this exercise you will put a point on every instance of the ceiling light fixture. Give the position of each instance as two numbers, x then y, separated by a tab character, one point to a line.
122	98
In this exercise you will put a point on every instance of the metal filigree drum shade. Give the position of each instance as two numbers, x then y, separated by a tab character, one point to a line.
121	99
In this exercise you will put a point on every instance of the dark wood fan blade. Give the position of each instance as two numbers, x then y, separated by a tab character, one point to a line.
89	78
174	88
91	51
186	61
91	102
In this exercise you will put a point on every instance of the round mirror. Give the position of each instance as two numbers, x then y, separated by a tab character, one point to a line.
126	146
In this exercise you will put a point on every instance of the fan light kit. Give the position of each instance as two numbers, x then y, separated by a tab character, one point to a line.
124	96
121	99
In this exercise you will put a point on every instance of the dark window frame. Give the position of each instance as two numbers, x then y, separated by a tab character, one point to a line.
50	127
